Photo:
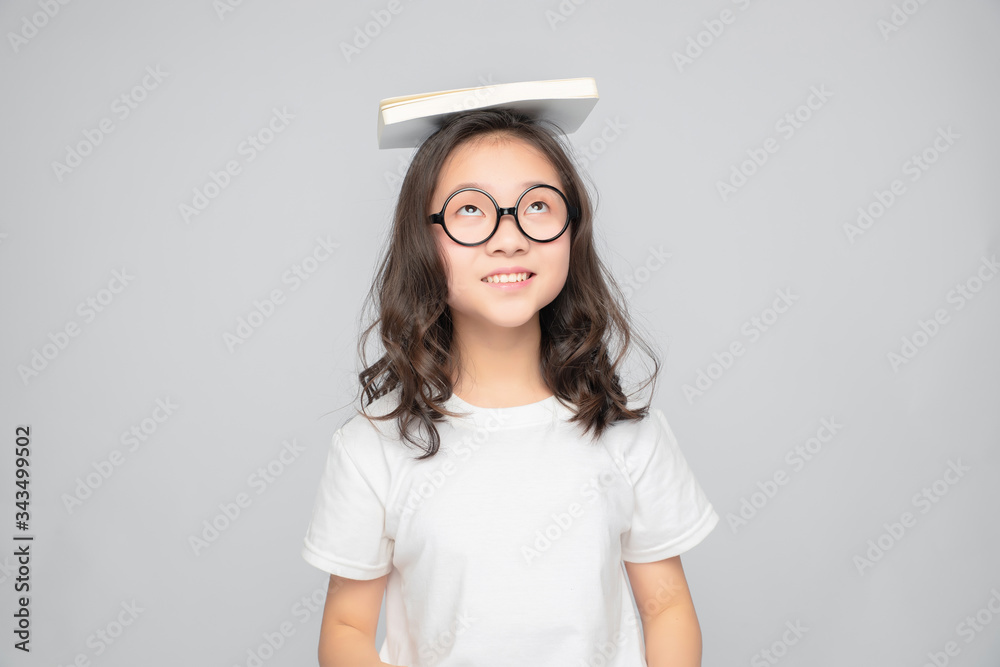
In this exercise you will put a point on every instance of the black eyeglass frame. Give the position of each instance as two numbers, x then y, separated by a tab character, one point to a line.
572	213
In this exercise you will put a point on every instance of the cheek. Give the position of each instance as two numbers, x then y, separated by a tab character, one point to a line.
454	261
560	256
443	251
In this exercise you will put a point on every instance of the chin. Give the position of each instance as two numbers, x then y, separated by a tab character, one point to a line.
510	320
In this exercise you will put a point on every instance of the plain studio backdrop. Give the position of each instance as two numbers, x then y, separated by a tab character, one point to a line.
798	198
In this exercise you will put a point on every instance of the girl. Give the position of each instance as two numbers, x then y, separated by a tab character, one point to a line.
513	532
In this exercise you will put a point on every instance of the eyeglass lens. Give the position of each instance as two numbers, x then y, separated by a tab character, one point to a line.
470	216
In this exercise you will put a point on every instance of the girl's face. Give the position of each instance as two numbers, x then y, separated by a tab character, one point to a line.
505	169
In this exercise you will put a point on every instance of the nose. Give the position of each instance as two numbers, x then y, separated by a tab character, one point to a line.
505	230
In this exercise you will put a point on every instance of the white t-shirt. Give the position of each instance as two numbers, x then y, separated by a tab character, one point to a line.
506	547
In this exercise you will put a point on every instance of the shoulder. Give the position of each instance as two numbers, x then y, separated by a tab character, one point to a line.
367	441
636	442
634	432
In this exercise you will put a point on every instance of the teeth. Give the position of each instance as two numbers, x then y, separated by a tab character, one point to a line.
506	278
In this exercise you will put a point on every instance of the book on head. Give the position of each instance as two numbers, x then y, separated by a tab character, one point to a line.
404	122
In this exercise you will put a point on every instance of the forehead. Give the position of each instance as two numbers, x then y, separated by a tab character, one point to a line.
501	163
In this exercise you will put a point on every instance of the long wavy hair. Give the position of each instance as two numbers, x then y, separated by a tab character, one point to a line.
586	331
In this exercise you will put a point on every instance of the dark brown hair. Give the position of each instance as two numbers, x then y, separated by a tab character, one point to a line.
578	328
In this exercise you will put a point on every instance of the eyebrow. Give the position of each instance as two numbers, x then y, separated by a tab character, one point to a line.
524	184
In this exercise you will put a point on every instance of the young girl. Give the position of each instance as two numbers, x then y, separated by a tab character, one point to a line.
519	503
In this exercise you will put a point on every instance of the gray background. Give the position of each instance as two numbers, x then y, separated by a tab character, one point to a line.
680	131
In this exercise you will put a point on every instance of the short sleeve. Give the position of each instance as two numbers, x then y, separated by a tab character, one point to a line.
346	535
671	513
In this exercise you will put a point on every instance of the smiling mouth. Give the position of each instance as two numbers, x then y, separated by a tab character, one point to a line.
508	277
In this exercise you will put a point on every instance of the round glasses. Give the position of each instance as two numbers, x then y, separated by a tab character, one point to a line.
471	216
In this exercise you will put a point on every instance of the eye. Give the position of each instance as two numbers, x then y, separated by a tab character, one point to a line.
537	207
468	209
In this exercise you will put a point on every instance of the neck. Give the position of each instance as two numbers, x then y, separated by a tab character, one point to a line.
498	367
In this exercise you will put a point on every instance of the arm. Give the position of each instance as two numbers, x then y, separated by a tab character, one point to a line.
669	623
350	616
